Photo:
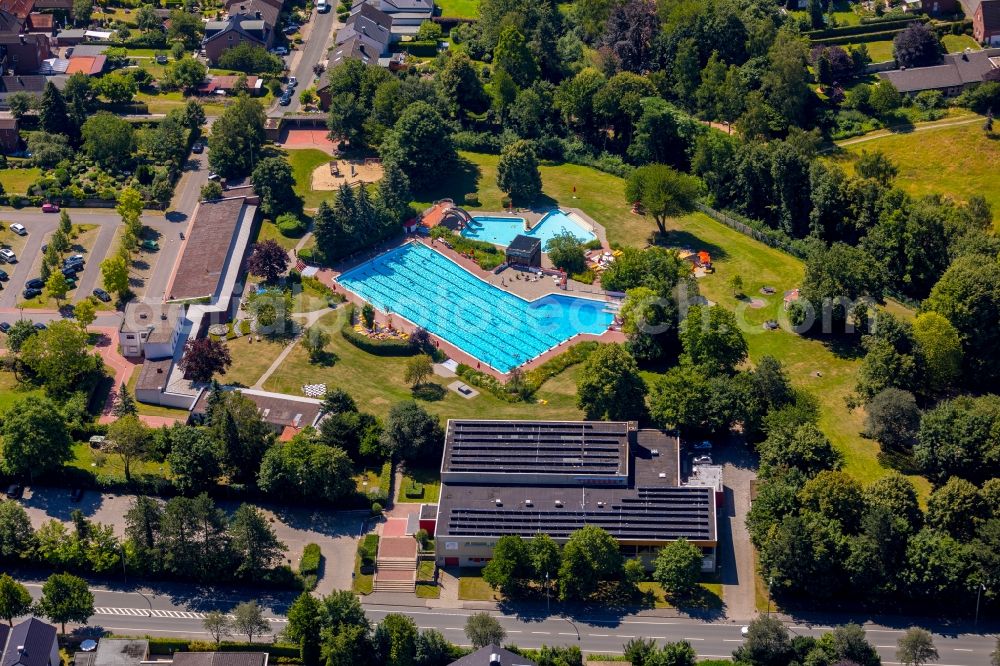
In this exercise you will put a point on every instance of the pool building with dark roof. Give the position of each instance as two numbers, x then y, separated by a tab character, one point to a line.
522	478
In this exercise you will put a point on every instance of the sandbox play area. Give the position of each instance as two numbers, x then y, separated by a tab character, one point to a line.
336	172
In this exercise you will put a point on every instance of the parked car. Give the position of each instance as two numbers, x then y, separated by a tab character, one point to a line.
7	255
31	292
4	327
290	29
150	245
73	259
35	283
322	6
50	207
102	295
198	148
213	176
161	58
19	229
71	271
702	460
292	82
76	495
702	446
279	51
284	100
15	490
3	276
39	326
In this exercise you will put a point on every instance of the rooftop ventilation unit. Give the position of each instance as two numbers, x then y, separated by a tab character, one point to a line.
498	502
654	452
559	504
662	475
528	502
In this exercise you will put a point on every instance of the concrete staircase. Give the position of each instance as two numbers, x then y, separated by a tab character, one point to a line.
395	574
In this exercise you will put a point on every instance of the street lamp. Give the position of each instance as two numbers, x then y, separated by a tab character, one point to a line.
124	575
979	593
547	594
770	581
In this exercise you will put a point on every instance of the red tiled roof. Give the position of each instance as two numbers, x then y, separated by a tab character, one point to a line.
89	65
19	8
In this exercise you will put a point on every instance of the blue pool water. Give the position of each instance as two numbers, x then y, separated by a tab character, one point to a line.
492	325
502	230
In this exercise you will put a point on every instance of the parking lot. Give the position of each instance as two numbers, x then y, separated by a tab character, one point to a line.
335	532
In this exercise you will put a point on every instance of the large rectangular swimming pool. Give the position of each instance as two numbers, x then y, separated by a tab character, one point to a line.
494	326
502	230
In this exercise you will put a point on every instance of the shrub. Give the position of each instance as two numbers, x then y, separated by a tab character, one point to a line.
309	565
471	199
423	538
391	347
290	226
414	489
376	508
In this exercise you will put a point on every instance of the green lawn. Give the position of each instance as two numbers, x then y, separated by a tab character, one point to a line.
16	181
250	359
269	231
878	51
955	161
468	9
710	596
956	43
304	161
472	587
11	391
376	383
810	363
111	465
430	478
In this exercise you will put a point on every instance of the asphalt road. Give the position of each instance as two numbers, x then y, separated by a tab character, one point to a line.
178	611
315	44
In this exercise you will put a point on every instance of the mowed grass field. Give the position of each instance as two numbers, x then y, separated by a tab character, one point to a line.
304	161
376	384
957	161
466	9
17	181
811	364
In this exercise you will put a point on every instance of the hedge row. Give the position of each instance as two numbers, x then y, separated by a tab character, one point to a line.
421	49
309	565
532	380
845	30
385	482
858	39
376	347
172	645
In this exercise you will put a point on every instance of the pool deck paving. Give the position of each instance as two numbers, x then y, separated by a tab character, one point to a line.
525	288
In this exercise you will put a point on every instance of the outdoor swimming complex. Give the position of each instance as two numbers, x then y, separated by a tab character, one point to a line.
496	327
502	230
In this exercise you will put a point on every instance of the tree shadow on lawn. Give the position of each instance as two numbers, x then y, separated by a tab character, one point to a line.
686	239
901	461
464	179
429	391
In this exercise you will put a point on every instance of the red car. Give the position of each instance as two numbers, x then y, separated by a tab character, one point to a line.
50	208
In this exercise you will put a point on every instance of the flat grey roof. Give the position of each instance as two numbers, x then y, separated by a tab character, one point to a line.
543	447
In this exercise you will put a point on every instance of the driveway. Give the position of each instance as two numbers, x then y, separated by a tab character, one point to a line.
336	532
736	551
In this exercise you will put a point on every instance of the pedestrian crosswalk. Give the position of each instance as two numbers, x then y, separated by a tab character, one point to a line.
159	613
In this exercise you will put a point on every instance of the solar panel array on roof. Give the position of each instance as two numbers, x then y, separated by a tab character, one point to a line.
651	514
581	448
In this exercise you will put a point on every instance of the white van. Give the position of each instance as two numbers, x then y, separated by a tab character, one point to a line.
322	6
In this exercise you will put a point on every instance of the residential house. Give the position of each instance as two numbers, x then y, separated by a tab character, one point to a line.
48	5
407	15
266	10
29	643
285	414
221	36
985	15
226	84
33	85
957	72
23	53
372	26
115	652
10	135
150	330
19	8
493	655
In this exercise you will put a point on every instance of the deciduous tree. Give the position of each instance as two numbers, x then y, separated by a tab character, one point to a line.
15	600
678	567
662	192
66	598
517	172
916	647
483	629
248	619
268	260
274	183
203	358
609	386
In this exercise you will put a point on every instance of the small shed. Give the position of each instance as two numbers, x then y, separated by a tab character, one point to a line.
525	251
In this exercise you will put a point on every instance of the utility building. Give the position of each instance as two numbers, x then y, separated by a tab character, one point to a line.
527	477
